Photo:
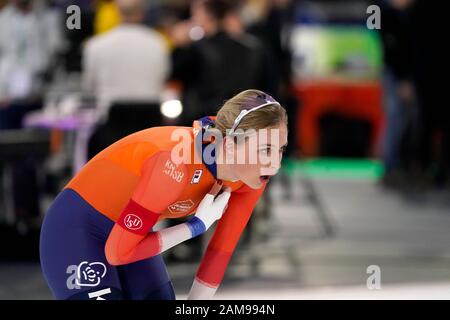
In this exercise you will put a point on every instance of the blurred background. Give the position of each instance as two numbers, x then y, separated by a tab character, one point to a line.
364	184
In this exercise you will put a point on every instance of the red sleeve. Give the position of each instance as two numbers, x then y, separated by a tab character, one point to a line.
131	238
226	236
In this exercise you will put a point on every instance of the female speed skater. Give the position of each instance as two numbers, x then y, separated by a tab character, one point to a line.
98	239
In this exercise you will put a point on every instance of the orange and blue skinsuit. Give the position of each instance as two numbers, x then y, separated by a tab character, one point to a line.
97	240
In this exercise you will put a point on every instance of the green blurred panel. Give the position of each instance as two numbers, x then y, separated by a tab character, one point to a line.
338	168
352	45
349	51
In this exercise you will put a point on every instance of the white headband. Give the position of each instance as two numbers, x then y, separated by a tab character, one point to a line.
244	113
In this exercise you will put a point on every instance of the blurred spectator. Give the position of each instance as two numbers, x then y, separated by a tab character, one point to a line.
270	21
431	65
213	64
29	41
162	14
125	69
397	37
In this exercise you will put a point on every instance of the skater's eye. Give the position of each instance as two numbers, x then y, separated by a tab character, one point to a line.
266	150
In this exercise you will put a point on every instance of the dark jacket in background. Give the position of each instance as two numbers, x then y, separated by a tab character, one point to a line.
216	68
397	37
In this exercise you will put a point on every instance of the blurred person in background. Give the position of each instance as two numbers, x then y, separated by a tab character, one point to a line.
271	22
431	65
210	62
125	69
162	14
399	94
29	42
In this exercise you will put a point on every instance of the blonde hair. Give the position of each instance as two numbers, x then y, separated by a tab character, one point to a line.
269	116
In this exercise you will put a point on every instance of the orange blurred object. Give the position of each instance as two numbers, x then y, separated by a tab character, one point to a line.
352	99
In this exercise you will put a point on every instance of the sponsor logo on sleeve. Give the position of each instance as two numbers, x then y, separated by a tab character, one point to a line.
181	206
